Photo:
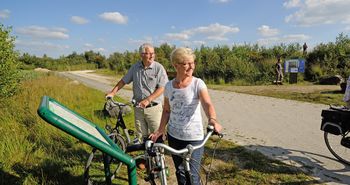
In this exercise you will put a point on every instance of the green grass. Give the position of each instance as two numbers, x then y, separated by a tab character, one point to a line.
34	152
234	164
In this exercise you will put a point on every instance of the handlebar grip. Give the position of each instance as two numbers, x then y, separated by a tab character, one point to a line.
210	128
221	135
136	147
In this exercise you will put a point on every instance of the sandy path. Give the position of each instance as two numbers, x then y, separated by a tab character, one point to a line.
282	129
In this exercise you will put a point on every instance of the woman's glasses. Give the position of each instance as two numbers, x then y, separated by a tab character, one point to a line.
186	64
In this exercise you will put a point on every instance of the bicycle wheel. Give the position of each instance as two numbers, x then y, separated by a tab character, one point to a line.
338	149
94	168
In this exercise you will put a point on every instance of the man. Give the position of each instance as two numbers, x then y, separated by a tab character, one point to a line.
279	71
304	48
149	78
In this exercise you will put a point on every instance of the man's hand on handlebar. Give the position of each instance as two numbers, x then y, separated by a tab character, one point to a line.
155	135
110	95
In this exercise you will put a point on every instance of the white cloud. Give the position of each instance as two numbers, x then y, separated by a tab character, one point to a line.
292	38
214	31
292	3
266	31
194	43
220	1
100	49
316	12
88	45
43	32
78	20
138	42
4	14
40	46
114	17
347	28
177	36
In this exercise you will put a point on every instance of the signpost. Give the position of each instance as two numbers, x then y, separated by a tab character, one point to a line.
293	67
72	123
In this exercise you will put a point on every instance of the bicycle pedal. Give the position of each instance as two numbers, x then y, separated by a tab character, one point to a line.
345	142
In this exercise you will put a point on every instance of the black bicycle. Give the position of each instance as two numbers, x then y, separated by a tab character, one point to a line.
100	166
336	127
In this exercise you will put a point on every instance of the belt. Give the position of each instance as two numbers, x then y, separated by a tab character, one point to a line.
152	104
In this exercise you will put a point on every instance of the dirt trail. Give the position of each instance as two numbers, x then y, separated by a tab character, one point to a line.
283	129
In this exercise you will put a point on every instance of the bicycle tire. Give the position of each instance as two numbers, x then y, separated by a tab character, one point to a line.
94	170
339	151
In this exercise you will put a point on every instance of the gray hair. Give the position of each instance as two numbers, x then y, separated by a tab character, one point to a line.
180	54
143	47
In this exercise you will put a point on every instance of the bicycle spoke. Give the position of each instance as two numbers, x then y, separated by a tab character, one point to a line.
334	145
94	169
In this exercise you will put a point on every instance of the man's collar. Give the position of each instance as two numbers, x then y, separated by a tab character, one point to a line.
150	66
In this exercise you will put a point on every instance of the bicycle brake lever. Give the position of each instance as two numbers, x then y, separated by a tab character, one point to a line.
108	127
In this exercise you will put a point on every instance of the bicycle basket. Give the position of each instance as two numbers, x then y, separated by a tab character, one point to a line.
112	110
335	121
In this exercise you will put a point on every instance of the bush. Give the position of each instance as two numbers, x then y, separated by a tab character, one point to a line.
8	64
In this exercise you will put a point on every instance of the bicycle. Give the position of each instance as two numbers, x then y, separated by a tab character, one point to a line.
121	136
155	157
336	127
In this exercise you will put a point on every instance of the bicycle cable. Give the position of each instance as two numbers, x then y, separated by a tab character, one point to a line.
202	166
211	162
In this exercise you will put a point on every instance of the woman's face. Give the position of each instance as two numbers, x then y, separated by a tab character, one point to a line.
186	67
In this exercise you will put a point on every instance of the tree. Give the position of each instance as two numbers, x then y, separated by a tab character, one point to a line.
9	77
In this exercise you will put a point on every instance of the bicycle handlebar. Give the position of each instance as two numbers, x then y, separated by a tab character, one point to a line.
110	98
189	147
149	144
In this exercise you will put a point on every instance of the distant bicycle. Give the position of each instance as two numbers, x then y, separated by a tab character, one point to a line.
100	166
336	126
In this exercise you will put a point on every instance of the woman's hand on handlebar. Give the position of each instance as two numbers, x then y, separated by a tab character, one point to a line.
217	128
216	124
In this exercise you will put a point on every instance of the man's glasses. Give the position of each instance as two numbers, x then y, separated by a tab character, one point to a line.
148	53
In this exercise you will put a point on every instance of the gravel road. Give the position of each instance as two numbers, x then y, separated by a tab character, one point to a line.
282	129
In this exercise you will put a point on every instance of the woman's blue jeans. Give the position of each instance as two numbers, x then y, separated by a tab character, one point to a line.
194	162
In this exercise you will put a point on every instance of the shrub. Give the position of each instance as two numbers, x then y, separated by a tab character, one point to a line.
8	64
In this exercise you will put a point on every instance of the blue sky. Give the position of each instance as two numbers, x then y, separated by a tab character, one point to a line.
58	28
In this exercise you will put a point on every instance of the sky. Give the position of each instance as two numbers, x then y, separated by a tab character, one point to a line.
60	27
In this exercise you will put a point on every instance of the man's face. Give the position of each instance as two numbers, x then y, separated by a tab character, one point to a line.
148	55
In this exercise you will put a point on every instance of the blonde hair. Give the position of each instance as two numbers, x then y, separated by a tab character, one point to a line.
180	54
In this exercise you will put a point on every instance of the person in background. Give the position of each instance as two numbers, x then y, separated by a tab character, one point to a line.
304	48
183	98
149	78
279	71
346	98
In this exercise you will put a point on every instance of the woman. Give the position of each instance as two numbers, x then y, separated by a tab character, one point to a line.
182	113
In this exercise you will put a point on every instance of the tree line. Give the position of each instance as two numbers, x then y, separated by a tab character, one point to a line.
239	64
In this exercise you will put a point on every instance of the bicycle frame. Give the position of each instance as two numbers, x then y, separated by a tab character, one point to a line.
159	149
120	121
